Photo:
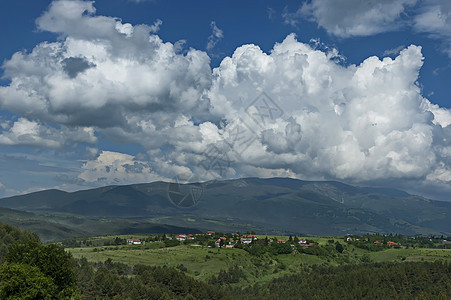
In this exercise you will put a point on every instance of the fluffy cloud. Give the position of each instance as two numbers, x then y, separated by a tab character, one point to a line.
102	72
367	122
434	18
352	18
364	18
30	133
294	111
114	168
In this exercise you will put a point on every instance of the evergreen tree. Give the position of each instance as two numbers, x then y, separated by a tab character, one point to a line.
339	247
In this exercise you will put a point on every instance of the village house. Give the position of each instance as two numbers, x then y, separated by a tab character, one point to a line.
392	244
246	240
134	242
218	241
305	246
181	237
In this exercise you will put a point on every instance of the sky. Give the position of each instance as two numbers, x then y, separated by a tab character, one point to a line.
94	93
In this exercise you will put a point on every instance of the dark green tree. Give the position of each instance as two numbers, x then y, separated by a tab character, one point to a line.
51	260
339	247
22	281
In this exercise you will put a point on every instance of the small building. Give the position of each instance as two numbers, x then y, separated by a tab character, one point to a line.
134	242
392	244
181	237
246	240
305	246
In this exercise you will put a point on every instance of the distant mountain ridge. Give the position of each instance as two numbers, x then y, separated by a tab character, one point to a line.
282	205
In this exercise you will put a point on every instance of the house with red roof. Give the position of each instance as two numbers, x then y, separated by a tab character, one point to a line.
392	244
134	242
246	240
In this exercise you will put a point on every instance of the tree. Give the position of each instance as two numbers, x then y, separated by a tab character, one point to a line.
10	235
281	248
171	243
51	260
339	247
22	281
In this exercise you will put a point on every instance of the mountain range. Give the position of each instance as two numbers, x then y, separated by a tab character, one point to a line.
272	206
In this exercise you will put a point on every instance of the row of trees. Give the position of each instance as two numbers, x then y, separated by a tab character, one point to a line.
366	241
420	280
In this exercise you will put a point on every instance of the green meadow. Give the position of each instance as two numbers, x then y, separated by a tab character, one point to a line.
202	262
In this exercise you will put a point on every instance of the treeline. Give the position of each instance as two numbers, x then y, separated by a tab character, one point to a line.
417	280
378	242
111	280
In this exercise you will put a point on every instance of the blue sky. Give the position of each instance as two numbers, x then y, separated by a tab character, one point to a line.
91	97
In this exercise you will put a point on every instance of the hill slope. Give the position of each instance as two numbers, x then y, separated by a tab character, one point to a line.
266	205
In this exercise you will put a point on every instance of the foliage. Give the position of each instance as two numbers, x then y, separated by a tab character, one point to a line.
51	260
233	275
171	243
364	281
22	281
10	235
147	283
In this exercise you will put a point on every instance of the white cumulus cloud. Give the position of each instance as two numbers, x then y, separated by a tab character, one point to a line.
294	111
116	168
346	18
434	18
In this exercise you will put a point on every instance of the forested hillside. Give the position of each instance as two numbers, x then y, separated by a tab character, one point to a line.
271	205
365	281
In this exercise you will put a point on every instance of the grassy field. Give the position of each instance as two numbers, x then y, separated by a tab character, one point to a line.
203	262
419	254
